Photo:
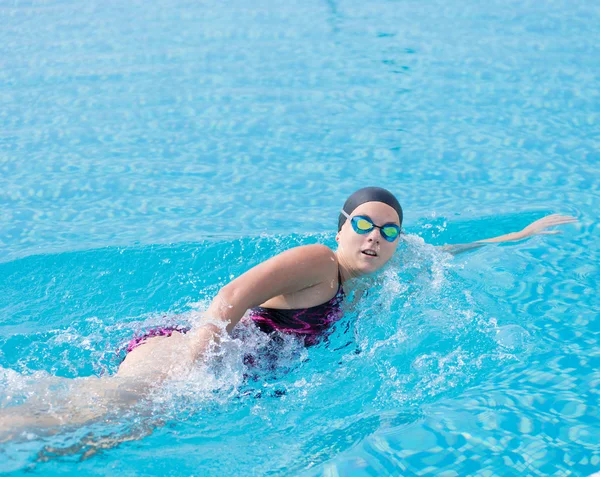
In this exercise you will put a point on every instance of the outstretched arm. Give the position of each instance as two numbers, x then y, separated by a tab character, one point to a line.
535	228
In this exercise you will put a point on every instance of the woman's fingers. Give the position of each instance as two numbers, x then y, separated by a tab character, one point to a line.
563	219
552	220
539	226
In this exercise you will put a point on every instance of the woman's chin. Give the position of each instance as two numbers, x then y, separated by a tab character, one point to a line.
369	266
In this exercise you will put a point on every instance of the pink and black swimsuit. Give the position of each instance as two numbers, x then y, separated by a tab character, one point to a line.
308	322
311	322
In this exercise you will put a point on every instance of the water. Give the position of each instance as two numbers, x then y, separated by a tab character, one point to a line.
151	152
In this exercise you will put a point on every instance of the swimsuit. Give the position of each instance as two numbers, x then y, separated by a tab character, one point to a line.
309	322
151	333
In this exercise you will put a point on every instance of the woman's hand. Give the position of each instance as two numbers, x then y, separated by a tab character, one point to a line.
540	226
535	228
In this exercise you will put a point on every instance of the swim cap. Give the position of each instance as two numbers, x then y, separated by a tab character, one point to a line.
370	194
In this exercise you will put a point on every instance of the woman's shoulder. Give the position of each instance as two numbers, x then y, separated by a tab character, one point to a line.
316	252
312	261
316	249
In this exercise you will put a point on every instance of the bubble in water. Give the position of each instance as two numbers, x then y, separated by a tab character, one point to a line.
513	337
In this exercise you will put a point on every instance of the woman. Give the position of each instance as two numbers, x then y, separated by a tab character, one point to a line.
298	291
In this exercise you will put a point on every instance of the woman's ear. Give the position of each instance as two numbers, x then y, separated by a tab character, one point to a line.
337	237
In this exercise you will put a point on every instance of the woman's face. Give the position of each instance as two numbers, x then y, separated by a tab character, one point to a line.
368	252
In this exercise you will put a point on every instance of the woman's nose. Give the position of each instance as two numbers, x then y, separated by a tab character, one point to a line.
374	235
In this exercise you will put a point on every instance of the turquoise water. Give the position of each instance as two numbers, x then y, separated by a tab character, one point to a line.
149	152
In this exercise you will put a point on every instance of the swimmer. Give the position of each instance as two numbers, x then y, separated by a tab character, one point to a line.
299	291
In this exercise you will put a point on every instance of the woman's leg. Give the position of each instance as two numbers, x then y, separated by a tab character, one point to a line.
58	402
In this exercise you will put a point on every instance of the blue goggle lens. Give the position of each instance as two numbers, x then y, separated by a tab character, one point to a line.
363	225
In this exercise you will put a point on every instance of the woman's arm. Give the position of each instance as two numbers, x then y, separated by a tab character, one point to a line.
291	271
535	228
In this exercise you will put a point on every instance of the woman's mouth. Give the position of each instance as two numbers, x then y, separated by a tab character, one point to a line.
369	253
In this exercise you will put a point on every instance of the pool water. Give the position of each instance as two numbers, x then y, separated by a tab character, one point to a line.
152	151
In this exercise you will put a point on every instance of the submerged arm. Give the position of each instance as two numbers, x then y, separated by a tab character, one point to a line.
535	228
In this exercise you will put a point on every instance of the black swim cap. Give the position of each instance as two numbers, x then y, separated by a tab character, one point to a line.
370	194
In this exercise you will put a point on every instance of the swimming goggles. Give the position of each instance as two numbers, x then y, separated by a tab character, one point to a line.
363	224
